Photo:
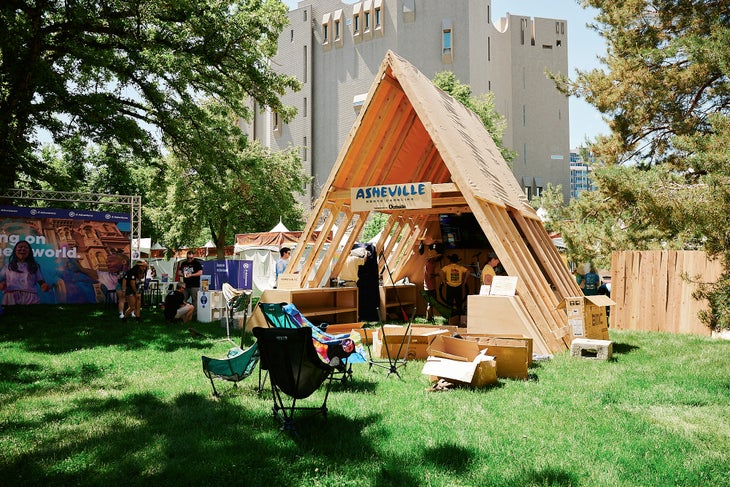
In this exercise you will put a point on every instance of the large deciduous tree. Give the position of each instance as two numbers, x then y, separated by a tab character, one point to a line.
663	171
129	72
241	187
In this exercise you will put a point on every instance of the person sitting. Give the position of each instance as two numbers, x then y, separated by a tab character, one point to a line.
176	308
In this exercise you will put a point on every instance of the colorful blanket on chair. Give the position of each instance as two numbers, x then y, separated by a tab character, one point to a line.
347	346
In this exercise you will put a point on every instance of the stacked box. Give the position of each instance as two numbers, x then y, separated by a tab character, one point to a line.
587	316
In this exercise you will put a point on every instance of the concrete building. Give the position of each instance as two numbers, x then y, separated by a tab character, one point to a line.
335	49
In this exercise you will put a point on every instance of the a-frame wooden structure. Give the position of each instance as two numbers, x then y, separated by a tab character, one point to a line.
410	131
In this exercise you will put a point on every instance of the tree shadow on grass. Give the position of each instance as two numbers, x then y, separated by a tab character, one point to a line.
142	440
64	328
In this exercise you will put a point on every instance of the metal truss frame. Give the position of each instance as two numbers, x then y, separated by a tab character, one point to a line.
134	202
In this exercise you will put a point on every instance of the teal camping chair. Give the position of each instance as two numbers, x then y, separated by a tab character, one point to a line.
239	363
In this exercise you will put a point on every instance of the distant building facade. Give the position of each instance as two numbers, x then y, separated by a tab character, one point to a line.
580	174
335	50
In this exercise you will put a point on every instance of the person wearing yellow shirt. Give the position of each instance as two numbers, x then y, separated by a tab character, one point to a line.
454	276
488	272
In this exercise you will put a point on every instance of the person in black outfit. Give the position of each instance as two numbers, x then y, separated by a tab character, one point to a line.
368	283
192	269
176	307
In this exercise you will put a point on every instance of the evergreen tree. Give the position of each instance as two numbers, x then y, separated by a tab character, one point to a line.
663	170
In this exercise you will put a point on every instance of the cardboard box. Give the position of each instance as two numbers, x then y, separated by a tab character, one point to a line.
513	354
587	316
460	361
346	328
414	348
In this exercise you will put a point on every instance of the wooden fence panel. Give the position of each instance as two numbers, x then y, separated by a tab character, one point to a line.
651	293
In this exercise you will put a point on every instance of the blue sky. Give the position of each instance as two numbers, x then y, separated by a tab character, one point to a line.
584	45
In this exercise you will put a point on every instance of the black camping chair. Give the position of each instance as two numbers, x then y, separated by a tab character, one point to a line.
295	370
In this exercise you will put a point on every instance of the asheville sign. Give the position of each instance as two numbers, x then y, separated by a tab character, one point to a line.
406	196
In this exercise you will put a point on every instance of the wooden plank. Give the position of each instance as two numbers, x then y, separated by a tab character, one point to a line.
539	301
344	219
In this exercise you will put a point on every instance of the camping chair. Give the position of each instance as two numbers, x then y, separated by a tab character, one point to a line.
341	350
239	363
395	360
295	370
235	300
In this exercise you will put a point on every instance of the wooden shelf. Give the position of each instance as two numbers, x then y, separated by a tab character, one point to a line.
391	297
331	305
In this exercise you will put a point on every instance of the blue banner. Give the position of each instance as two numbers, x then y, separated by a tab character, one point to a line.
237	273
52	255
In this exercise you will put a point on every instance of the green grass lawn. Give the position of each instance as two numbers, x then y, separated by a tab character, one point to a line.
87	399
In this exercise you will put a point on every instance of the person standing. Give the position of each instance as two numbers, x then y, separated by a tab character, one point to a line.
175	305
489	272
282	262
454	276
430	275
132	288
590	283
20	278
192	269
112	278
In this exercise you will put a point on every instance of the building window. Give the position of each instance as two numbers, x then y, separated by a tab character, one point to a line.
326	21
489	48
367	21
305	15
291	35
276	123
304	149
337	28
523	28
304	108
447	42
356	24
304	74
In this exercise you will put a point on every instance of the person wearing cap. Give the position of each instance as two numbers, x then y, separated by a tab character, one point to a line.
488	272
454	276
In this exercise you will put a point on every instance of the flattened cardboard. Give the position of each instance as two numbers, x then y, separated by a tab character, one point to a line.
460	360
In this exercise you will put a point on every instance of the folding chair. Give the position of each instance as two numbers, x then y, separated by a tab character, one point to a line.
395	360
340	351
239	363
295	370
235	300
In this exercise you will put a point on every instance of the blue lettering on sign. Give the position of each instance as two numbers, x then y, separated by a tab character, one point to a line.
390	191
